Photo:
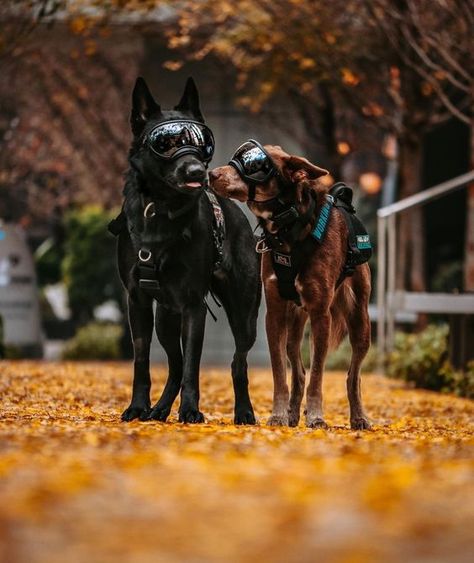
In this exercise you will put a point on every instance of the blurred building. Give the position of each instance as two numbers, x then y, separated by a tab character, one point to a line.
64	110
19	302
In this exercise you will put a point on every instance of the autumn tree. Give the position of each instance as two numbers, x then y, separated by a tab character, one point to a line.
64	131
404	65
432	54
19	18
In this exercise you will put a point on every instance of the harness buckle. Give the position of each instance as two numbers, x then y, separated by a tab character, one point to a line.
261	247
151	285
286	217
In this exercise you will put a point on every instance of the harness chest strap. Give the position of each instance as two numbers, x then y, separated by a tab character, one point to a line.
218	229
147	263
287	266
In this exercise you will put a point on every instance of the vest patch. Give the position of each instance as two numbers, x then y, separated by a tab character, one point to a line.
363	242
282	259
321	225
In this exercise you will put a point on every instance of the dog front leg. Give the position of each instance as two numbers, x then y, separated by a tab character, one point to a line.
194	320
168	331
295	336
320	329
141	326
277	334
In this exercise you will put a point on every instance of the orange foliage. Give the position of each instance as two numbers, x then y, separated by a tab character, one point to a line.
76	483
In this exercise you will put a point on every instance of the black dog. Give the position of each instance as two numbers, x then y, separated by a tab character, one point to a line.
171	249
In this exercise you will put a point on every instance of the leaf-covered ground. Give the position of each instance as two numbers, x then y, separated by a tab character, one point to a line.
77	485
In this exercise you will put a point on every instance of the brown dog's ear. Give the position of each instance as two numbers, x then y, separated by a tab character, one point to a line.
296	168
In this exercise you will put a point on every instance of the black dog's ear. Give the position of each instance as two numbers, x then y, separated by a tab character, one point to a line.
143	106
190	100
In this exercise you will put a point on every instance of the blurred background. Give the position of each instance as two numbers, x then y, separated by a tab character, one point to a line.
379	92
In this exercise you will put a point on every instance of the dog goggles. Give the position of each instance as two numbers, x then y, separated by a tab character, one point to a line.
253	163
172	139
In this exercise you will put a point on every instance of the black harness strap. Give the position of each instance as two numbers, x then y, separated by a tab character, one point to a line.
288	266
218	228
148	262
117	225
183	210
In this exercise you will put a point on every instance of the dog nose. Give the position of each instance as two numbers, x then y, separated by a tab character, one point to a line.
213	175
195	173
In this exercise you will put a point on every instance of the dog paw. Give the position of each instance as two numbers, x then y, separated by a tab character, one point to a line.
159	413
191	416
133	412
316	423
293	418
360	423
244	417
278	420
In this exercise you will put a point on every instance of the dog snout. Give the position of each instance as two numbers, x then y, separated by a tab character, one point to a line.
213	175
195	172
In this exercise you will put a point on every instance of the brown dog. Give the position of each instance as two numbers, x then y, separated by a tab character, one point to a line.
332	306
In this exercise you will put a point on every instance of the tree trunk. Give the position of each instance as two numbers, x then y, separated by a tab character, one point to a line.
469	246
318	115
411	242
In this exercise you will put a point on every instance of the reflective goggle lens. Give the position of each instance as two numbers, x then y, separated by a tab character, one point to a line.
168	138
252	162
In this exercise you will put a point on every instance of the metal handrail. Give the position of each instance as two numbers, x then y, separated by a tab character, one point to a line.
427	195
386	256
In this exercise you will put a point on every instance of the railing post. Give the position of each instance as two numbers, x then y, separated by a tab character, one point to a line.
387	254
391	274
381	287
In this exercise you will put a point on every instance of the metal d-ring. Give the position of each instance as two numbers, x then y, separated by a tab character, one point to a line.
149	211
261	247
141	253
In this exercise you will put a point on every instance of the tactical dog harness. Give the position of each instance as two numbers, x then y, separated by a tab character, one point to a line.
148	263
290	223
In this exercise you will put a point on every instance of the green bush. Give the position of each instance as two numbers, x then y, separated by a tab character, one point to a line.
460	383
422	359
89	265
340	358
95	341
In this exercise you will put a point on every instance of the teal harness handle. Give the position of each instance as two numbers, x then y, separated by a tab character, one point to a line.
321	225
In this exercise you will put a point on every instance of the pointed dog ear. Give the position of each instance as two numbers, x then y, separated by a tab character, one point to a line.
143	106
297	167
190	100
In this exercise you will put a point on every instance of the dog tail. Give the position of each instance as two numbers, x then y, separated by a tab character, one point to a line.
342	306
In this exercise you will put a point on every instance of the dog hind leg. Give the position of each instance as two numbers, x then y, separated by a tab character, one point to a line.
241	306
141	325
245	333
358	323
298	319
168	331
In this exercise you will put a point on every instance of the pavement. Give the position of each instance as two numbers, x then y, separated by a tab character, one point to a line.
77	485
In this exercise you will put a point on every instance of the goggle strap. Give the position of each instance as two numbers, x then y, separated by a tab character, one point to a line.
252	188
